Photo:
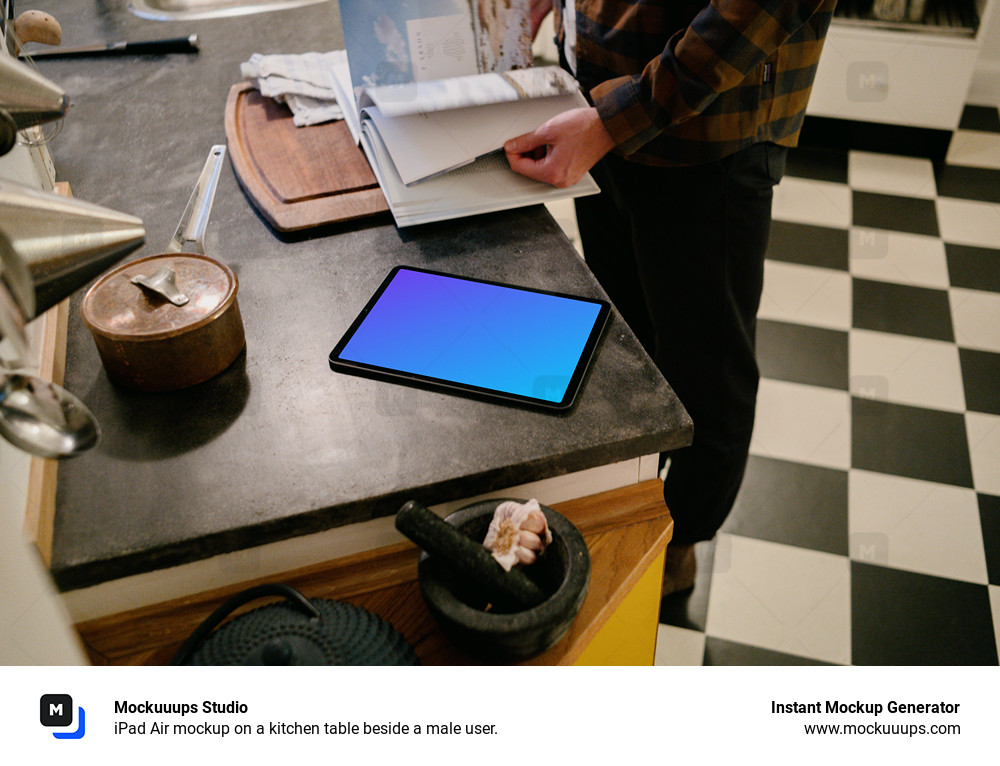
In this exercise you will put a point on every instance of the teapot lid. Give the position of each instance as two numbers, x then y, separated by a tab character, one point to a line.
283	634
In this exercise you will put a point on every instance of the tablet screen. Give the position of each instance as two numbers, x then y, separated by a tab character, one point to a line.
484	338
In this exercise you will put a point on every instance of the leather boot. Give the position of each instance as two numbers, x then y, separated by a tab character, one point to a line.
679	569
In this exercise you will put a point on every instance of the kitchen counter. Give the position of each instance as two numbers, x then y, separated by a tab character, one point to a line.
279	446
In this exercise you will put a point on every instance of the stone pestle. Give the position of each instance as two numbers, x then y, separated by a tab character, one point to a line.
467	557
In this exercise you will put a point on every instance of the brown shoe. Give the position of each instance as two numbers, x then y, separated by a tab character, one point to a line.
679	569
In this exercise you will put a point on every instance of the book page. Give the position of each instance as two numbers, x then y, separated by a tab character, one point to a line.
418	148
407	41
503	34
471	90
430	143
486	185
345	97
441	47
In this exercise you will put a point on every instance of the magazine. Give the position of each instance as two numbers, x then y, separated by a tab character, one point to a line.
433	89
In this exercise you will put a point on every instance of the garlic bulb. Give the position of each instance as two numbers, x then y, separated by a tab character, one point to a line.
518	533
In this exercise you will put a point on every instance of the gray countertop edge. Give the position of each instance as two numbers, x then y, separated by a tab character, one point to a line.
84	574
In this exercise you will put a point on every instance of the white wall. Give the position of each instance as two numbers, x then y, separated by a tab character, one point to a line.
985	88
34	625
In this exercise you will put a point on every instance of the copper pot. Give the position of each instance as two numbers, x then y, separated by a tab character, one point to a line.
169	321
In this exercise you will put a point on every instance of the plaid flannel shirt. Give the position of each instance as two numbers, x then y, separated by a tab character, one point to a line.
681	82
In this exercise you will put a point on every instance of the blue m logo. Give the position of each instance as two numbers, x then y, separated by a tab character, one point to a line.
57	710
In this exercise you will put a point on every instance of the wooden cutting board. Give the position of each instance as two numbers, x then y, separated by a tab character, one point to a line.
297	177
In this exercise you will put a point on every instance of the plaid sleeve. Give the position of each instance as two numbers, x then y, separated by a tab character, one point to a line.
726	41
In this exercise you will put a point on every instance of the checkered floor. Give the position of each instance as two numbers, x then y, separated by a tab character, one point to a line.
868	527
867	531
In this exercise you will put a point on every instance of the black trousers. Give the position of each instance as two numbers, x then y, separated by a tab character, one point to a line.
680	251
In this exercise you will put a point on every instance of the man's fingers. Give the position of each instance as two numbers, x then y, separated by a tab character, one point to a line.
525	153
525	143
527	165
575	140
539	10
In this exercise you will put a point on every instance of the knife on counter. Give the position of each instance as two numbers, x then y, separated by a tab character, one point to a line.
187	44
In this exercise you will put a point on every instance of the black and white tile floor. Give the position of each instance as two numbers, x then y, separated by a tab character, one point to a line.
867	531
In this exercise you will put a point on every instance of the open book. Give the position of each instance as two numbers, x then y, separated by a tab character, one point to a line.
431	90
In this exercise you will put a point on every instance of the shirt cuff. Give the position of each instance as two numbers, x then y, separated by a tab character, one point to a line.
623	113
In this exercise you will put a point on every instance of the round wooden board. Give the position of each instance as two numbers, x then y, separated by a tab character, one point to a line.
297	178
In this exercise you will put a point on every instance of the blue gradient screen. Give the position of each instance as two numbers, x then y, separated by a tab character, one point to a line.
471	333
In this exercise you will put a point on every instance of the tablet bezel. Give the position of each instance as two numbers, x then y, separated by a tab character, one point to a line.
447	386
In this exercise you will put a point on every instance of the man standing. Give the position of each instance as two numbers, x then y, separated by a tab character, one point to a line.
694	106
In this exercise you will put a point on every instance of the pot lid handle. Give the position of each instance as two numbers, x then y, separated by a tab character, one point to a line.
163	283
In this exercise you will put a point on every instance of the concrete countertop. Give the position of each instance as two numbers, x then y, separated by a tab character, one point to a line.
279	445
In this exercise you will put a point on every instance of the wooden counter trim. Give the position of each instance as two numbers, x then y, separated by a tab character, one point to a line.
39	515
607	591
382	579
40	511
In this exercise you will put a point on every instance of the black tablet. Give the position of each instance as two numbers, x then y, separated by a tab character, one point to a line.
472	336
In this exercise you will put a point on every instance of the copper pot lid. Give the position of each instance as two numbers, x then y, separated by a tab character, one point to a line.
159	296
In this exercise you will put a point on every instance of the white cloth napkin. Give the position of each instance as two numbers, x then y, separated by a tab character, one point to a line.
302	81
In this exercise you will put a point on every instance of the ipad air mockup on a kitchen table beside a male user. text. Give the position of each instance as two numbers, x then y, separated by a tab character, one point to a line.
486	339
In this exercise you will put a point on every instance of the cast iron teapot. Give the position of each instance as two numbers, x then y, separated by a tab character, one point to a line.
298	631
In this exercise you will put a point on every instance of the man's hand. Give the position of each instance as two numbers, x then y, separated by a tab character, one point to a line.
562	149
539	10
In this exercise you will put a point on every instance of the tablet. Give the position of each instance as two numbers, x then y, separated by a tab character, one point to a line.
472	336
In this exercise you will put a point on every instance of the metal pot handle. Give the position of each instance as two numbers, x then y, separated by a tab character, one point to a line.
191	229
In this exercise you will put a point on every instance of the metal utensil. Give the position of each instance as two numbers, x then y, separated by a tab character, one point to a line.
49	246
188	44
45	419
191	229
26	99
37	416
62	242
